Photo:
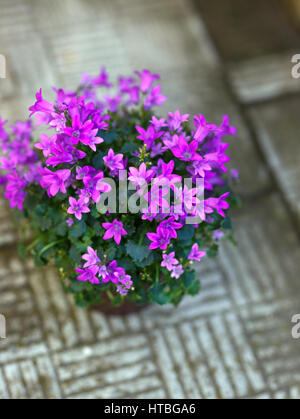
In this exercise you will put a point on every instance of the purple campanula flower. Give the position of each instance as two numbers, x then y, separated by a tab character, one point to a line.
113	102
70	222
90	257
81	132
218	235
160	239
171	226
88	274
177	271
45	144
149	135
78	207
186	151
58	121
55	181
41	105
169	261
141	176
22	130
158	124
146	79
113	161
101	79
195	253
114	230
218	204
14	190
155	98
176	119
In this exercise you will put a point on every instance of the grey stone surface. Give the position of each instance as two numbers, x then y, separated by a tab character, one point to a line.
277	124
263	78
234	339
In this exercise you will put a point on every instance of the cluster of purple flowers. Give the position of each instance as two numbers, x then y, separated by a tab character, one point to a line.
79	120
20	162
96	270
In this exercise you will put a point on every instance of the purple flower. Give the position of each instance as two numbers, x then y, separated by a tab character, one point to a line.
156	196
70	222
83	133
217	235
125	84
22	130
195	253
234	174
115	230
58	121
160	239
176	119
101	79
45	144
171	226
158	124
14	190
148	136
146	79
113	161
113	273
78	207
83	172
91	257
140	177
177	271
88	274
166	173
55	181
155	98
185	151
218	204
41	105
113	102
169	261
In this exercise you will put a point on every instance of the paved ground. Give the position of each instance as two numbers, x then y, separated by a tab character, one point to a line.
233	340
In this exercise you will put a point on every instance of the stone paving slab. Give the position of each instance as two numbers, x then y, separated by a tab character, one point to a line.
232	341
263	78
244	30
277	124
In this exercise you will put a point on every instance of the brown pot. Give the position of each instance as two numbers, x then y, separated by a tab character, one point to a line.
128	307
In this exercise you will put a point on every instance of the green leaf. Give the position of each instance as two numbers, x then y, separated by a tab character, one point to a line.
129	148
213	250
226	223
23	252
188	279
108	137
98	161
75	254
194	288
136	251
158	295
186	233
61	228
78	229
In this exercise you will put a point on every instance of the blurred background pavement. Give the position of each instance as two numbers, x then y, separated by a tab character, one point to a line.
234	339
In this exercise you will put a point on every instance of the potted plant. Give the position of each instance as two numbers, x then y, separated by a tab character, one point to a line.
121	201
